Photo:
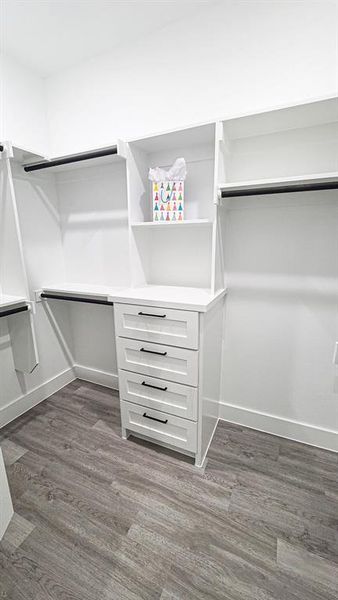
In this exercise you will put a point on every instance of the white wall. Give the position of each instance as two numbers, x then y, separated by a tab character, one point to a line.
23	107
93	216
281	314
93	219
238	56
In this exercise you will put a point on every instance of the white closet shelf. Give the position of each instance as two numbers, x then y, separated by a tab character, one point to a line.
282	184
25	154
7	301
184	298
95	162
178	138
90	158
172	225
80	289
281	119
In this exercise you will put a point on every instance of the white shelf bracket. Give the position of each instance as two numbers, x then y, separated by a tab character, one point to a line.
37	295
23	342
8	150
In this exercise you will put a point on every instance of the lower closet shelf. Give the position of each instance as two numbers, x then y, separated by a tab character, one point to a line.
160	426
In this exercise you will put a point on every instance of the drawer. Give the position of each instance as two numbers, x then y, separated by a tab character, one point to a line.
160	394
162	325
157	360
159	426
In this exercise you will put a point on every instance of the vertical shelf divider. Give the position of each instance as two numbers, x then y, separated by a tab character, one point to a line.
217	274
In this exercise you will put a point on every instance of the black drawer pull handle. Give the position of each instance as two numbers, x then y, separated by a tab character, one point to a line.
153	352
155	387
143	314
154	419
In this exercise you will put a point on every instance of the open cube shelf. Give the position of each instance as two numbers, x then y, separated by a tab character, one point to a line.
174	254
292	142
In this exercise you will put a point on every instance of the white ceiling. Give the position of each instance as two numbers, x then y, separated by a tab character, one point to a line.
51	35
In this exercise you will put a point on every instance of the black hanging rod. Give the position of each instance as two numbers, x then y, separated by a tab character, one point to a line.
12	311
76	299
72	158
284	189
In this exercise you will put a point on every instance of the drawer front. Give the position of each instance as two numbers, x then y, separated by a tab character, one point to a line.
159	394
162	325
160	426
157	360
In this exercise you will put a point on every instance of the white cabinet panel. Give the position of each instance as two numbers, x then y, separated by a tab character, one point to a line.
165	362
159	394
159	426
163	325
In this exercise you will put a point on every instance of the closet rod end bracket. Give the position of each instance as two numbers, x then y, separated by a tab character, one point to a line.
7	149
37	295
218	200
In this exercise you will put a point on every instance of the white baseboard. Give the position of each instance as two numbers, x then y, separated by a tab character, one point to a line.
97	376
286	428
17	407
20	405
294	430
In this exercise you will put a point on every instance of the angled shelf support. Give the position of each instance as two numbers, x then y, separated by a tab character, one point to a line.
22	335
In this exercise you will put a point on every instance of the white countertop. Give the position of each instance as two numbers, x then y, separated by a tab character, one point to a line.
184	298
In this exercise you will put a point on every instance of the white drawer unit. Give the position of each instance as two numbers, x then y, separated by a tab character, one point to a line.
157	360
169	374
160	426
161	325
159	394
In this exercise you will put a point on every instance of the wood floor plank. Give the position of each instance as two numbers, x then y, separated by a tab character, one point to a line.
107	518
89	575
11	452
17	531
309	566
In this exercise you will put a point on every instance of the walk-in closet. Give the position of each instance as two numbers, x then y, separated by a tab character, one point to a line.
168	300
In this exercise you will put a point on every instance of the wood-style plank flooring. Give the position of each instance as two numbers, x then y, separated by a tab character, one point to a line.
100	518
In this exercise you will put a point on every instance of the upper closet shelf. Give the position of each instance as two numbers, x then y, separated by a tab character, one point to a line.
176	139
283	119
303	183
90	158
23	155
172	224
18	153
7	301
10	305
